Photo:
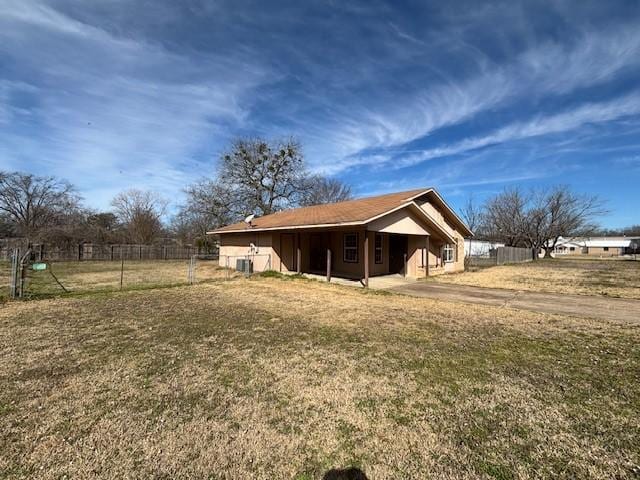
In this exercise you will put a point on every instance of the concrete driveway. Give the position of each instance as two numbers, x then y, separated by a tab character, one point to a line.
604	308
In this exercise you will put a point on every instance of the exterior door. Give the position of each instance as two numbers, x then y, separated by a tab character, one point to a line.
287	253
318	252
398	247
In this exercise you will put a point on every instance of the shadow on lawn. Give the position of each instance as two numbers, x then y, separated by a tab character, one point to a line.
345	474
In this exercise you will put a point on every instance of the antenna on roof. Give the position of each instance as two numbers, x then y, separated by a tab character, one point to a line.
249	218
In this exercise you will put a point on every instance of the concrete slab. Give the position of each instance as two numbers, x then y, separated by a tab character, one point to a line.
605	308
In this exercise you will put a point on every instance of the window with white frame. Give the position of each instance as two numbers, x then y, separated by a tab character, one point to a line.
448	253
350	248
377	254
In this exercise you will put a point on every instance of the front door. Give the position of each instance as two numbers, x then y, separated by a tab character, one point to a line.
397	250
318	252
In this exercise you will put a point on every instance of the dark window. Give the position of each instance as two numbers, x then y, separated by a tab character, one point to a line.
350	248
606	249
378	248
573	249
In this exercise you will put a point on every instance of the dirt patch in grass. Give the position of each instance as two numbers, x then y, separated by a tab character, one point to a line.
615	278
266	378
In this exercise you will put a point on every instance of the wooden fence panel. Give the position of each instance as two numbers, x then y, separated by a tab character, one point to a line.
97	252
513	255
502	256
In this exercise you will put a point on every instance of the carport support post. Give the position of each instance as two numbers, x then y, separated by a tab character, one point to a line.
405	265
366	259
298	256
426	260
328	265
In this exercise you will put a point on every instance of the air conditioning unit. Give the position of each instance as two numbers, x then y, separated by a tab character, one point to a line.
244	265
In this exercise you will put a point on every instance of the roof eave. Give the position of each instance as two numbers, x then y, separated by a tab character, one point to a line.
287	227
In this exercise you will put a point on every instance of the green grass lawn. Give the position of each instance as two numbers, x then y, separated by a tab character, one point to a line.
265	378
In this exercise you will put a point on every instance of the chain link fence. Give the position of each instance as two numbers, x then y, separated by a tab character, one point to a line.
23	275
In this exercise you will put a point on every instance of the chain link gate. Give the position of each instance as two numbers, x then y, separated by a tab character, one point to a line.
18	273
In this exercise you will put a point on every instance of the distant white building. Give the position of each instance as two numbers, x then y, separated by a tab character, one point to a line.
479	248
600	246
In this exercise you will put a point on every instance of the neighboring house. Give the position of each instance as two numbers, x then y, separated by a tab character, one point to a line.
480	248
387	234
597	246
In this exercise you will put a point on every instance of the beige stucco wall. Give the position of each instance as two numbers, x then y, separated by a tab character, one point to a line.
379	268
401	221
338	265
237	245
436	214
436	265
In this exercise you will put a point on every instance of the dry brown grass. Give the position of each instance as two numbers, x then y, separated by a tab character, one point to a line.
91	276
616	278
269	378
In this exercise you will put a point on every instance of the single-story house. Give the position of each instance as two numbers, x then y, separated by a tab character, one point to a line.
413	233
598	246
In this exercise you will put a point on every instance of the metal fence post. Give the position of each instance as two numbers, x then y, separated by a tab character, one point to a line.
121	269
13	287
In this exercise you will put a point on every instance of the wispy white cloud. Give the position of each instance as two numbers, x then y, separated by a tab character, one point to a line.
124	100
124	112
541	71
590	113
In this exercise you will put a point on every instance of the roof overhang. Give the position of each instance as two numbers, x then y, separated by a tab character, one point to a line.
411	204
288	227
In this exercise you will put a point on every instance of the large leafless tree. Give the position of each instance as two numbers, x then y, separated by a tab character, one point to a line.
264	177
505	216
567	214
255	176
208	205
537	218
140	212
320	190
33	203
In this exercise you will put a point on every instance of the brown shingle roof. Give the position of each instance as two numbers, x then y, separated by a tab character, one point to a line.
351	211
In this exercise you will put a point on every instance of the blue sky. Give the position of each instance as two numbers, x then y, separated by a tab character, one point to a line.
468	97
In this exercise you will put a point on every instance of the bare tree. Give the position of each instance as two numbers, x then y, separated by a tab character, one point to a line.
141	213
320	190
633	230
32	203
208	205
630	231
104	227
538	218
473	216
264	177
505	216
567	214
